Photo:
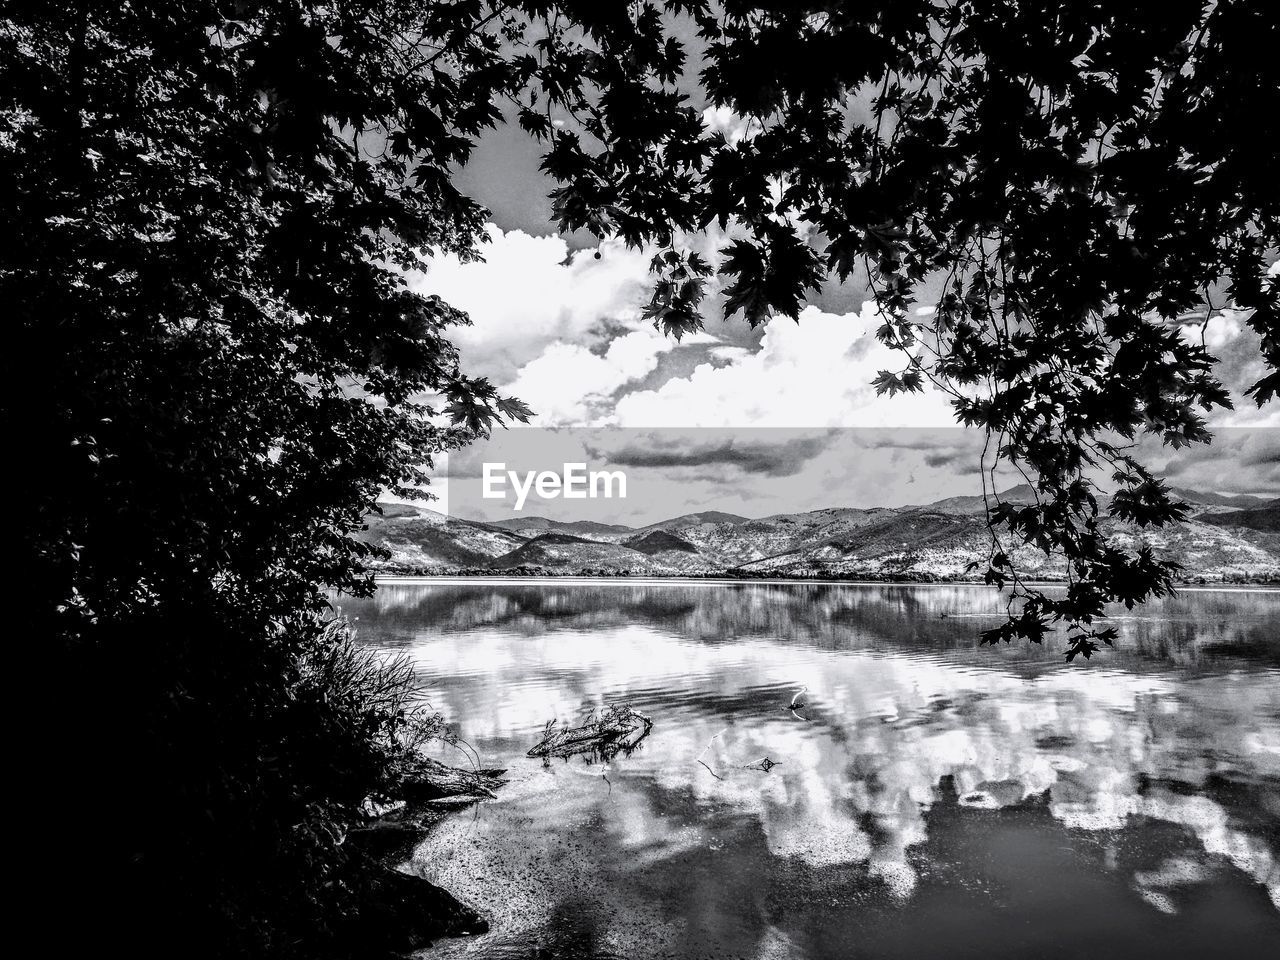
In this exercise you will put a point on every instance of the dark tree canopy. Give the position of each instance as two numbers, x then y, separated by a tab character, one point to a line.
200	270
1076	174
202	256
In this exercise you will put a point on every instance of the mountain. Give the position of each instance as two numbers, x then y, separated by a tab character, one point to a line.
941	545
1266	519
564	552
533	526
660	542
418	537
933	541
1241	501
1022	493
920	541
697	519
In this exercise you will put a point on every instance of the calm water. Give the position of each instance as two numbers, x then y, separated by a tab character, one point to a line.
931	799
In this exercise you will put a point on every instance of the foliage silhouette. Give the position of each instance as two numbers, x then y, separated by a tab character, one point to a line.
208	205
1072	176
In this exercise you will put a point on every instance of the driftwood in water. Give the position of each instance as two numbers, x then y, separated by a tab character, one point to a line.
430	781
618	730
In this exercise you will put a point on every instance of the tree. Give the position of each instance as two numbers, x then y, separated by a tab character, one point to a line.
207	205
1075	175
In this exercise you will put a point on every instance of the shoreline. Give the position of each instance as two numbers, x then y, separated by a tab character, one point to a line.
393	579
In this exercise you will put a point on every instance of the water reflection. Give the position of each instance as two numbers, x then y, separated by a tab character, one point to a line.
973	794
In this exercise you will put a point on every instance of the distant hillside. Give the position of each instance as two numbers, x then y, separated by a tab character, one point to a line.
921	542
419	537
935	541
1263	518
659	542
1242	501
561	551
976	504
697	519
533	526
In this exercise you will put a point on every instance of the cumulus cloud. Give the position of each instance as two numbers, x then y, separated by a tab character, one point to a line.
530	293
1237	347
570	384
816	372
562	330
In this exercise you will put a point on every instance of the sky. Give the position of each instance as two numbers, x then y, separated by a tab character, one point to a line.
560	327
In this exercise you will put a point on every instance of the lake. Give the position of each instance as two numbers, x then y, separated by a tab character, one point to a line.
930	798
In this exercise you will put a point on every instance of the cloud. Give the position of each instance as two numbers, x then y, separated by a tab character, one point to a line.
731	126
1096	749
963	457
783	457
816	372
1239	460
729	354
1266	453
1238	349
750	471
562	330
570	384
532	292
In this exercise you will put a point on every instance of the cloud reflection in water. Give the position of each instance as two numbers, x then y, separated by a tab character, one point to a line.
1180	728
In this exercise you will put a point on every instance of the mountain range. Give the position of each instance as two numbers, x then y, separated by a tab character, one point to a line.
1226	538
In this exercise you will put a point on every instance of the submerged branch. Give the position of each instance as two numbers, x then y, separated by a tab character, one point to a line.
618	730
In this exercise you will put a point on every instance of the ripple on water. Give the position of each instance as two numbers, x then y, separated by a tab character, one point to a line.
923	784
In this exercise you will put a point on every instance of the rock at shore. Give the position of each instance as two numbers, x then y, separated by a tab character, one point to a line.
403	912
406	913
